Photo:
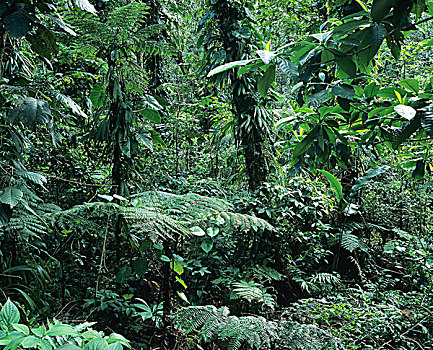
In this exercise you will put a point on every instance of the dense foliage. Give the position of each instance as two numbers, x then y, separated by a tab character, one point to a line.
216	174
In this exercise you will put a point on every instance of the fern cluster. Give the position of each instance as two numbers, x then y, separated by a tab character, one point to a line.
214	324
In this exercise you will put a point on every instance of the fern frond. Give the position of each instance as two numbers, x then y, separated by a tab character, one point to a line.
351	242
128	17
325	279
294	335
245	222
149	220
215	324
190	206
268	272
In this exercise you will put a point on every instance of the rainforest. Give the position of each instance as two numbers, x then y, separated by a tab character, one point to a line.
216	174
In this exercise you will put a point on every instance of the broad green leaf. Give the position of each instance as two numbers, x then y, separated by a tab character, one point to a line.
413	126
371	90
9	313
117	345
350	26
319	97
250	67
69	346
344	91
197	231
61	329
419	171
266	81
43	42
305	144
371	43
380	9
5	214
146	139
156	138
154	102
394	45
140	266
335	184
96	344
19	22
151	115
207	246
22	328
91	334
212	231
45	345
114	337
405	111
30	111
390	92
69	102
125	146
164	258
347	65
430	7
13	343
177	267
11	196
368	176
97	95
410	84
228	66
37	178
30	342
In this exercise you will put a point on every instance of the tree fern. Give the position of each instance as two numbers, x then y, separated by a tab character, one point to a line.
154	222
162	215
191	205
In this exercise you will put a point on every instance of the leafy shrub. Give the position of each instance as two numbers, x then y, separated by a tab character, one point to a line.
57	335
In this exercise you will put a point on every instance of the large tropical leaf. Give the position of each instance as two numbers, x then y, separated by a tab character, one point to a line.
20	22
11	196
30	111
371	43
380	9
228	66
335	184
266	81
